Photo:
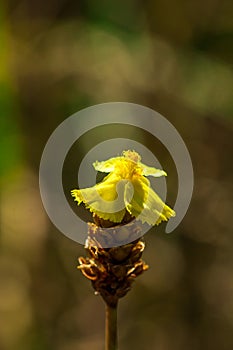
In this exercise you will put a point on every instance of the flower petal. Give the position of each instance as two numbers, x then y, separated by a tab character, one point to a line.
106	166
150	171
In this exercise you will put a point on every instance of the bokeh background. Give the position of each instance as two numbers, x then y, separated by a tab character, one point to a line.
57	57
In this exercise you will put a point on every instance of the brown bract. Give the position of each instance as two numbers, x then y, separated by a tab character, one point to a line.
112	270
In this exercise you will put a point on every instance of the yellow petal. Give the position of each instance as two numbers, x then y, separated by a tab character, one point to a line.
106	166
146	205
105	199
150	171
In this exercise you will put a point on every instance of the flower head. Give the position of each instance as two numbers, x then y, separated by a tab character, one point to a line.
125	189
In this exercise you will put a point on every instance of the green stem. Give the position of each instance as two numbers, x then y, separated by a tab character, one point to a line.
111	328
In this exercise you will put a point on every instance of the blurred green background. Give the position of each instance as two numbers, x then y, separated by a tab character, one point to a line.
175	57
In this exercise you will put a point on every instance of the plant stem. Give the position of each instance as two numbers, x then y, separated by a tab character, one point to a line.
111	328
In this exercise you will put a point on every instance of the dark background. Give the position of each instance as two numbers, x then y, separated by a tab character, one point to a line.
58	57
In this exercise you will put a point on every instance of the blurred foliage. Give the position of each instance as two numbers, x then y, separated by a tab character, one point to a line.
8	123
58	57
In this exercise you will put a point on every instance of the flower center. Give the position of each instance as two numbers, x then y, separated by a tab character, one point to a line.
132	155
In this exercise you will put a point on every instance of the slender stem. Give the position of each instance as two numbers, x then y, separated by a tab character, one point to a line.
111	328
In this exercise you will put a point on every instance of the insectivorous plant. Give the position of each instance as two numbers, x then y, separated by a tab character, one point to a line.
120	204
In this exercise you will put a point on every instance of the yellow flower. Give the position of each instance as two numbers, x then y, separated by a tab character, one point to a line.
125	188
